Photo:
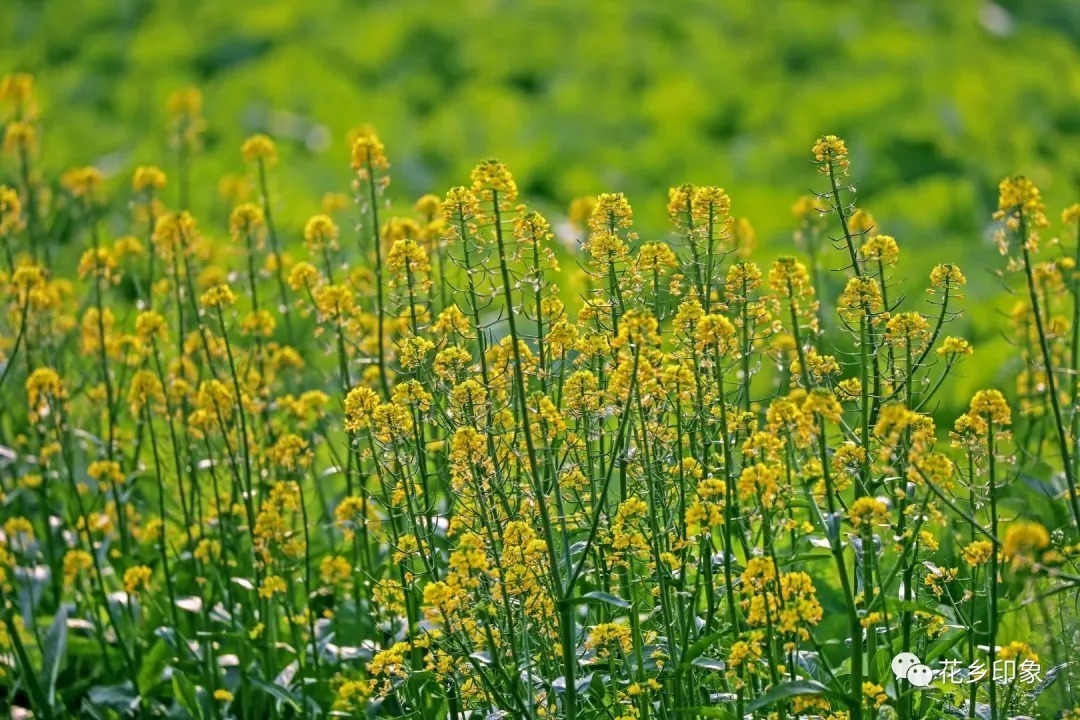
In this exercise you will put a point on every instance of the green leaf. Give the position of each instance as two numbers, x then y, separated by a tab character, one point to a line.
793	688
698	648
53	652
121	698
709	663
153	666
282	695
881	661
186	695
608	598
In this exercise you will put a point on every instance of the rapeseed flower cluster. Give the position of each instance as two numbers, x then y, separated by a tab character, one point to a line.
397	471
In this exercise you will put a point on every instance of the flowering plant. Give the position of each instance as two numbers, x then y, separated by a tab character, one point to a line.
400	473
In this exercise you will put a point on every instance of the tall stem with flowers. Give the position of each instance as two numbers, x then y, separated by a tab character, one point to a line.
432	479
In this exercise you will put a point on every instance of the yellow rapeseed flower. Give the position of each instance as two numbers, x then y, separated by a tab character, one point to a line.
259	148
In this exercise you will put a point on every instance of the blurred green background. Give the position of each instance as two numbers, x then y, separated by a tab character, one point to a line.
937	99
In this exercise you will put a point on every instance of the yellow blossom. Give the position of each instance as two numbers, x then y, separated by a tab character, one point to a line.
259	148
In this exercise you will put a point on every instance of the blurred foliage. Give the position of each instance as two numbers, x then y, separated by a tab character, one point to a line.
937	100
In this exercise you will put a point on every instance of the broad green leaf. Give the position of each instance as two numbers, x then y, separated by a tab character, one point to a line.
153	666
282	695
709	663
186	695
121	698
53	654
698	648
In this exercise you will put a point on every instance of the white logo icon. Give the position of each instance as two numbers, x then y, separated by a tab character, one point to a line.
908	666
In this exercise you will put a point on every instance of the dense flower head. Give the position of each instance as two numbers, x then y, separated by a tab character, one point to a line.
868	511
10	210
656	257
947	275
76	562
148	178
401	228
882	249
258	322
137	579
581	209
451	363
146	390
955	346
460	206
185	101
219	296
831	154
17	92
429	206
303	275
789	278
978	552
861	296
809	209
492	178
823	404
28	277
1071	215
1024	541
611	212
688	314
407	256
43	385
360	403
714	333
992	406
246	220
321	232
532	228
185	107
413	352
861	222
742	279
84	183
368	154
680	205
259	148
703	211
609	637
711	204
1019	200
760	482
174	231
332	301
606	247
907	329
19	138
100	262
